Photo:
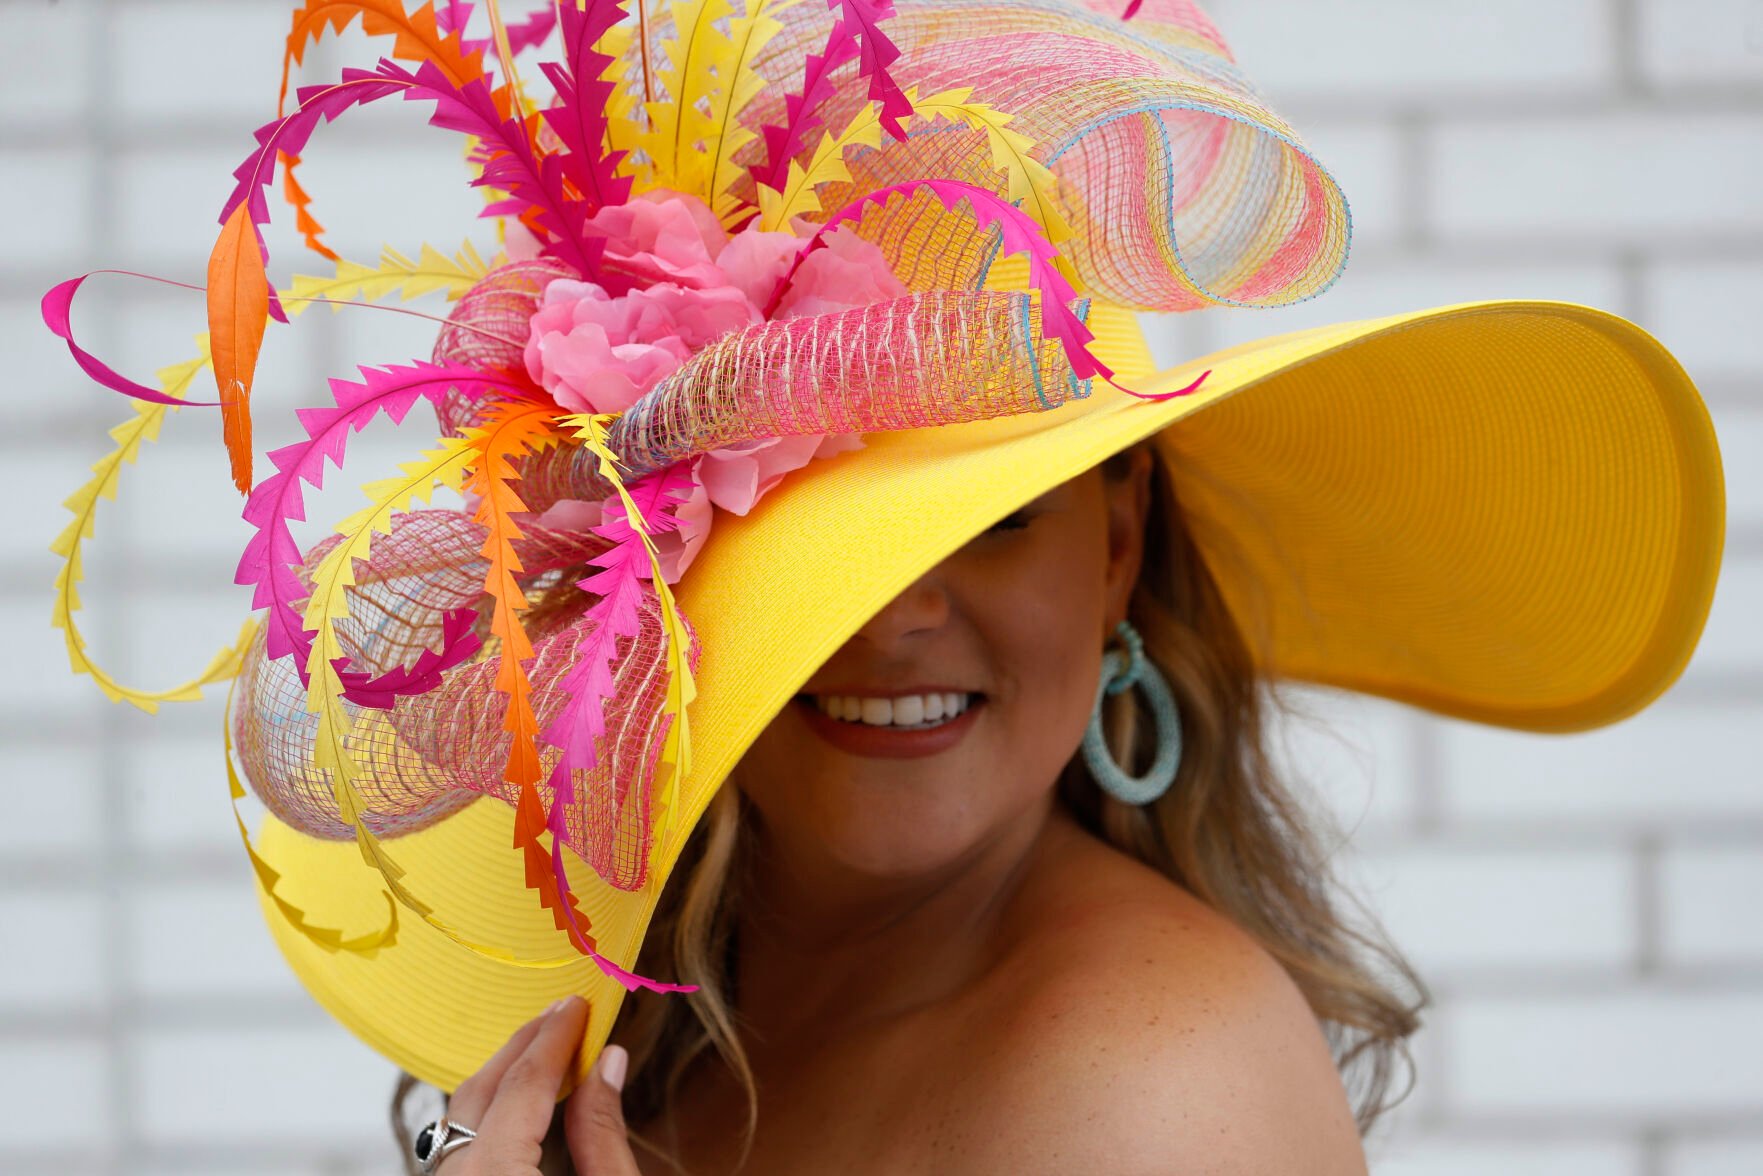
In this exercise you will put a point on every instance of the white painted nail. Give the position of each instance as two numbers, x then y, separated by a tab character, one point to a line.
613	1060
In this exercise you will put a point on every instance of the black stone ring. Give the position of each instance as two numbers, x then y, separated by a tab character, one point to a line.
437	1141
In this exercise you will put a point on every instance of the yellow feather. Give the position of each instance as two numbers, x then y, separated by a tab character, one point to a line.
825	166
446	465
741	83
625	124
396	274
679	123
433	270
1030	183
174	380
676	750
269	878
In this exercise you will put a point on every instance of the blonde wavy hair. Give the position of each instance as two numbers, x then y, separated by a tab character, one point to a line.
1229	831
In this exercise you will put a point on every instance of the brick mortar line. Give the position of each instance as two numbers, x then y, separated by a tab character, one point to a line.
1559	1126
1530	249
1633	280
1553	834
148	871
1654	1141
120	1058
1465	106
1626	40
196	1012
1649	914
1426	761
196	132
1555	983
1415	167
242	1157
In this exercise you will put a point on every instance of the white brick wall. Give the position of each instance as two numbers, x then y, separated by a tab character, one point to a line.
1585	907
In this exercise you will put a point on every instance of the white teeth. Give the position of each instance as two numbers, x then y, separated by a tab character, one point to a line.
907	710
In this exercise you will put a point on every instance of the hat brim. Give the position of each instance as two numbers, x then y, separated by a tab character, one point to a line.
1506	511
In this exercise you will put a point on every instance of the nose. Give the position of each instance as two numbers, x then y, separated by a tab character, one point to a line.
922	607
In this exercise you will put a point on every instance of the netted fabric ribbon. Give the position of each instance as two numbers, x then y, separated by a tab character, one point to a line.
938	358
433	753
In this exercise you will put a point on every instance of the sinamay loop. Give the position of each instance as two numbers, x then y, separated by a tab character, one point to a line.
438	751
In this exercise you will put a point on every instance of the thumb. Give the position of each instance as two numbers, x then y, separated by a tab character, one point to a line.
593	1120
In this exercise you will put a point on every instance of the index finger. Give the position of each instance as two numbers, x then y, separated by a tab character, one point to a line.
527	1094
472	1099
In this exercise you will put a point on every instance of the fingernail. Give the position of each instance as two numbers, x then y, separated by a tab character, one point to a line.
613	1061
556	1006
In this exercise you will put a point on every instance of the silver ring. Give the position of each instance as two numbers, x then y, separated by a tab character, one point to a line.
437	1141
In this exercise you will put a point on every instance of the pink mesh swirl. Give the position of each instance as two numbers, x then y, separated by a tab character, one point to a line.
937	358
488	329
502	304
434	753
1181	186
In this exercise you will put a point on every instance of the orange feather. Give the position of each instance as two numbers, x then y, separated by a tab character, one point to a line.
304	221
238	313
512	430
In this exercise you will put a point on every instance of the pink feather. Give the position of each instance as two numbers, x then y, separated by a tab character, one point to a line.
271	555
582	719
1018	233
802	109
57	310
512	165
618	586
289	135
579	118
523	34
877	54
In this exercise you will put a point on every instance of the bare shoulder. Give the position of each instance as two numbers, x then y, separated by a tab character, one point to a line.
1139	1031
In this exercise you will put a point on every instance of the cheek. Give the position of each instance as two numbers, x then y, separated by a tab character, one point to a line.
1048	649
1049	691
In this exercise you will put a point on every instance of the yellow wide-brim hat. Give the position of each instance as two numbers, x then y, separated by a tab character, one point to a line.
1510	512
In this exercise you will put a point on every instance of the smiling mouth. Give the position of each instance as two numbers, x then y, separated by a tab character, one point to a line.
893	727
905	712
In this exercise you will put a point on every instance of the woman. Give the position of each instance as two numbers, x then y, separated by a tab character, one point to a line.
809	398
956	953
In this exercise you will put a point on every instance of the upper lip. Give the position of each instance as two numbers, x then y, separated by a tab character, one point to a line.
891	692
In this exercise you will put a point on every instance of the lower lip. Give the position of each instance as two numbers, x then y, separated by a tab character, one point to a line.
889	742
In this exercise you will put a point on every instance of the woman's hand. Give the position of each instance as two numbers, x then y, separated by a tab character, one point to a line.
510	1101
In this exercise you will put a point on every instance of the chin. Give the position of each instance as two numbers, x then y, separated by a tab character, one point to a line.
884	834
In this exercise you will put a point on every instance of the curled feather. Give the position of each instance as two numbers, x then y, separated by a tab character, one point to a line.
106	473
271	555
444	466
1018	233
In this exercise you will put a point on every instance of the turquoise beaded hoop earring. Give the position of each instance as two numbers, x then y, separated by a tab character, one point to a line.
1118	674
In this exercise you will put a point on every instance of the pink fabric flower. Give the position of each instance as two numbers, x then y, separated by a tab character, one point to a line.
844	273
731	479
663	236
518	240
756	261
597	352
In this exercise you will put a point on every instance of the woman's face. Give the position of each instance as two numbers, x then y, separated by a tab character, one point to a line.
1015	622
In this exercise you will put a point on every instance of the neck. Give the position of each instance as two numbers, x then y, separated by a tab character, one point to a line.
823	947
